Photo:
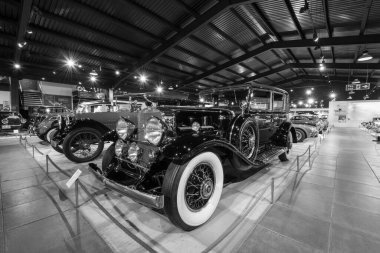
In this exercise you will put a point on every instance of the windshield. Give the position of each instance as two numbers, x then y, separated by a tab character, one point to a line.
228	98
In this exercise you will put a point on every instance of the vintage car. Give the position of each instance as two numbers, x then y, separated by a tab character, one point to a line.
178	158
38	114
79	137
305	131
10	121
306	120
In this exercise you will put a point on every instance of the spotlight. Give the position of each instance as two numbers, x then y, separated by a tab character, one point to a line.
135	77
93	73
300	102
54	72
117	72
170	88
308	92
80	83
201	100
93	78
21	44
315	36
43	78
159	89
310	101
332	95
365	56
356	81
142	78
29	32
312	88
17	66
291	90
70	63
305	8
80	66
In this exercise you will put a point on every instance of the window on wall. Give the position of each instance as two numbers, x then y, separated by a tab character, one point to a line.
278	102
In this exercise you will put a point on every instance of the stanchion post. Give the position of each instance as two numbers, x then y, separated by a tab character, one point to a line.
272	191
76	193
47	164
25	142
20	139
33	150
309	156
298	163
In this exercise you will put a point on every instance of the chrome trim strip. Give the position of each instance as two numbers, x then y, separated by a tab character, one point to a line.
154	201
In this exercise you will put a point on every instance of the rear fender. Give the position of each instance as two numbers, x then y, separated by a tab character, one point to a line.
281	135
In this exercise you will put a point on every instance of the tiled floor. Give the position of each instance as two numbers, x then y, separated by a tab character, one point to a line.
335	207
34	216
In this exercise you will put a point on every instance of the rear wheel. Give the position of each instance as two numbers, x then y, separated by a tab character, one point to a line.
248	139
192	190
57	148
300	135
83	144
289	143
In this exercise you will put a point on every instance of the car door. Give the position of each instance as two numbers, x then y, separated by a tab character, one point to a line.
260	107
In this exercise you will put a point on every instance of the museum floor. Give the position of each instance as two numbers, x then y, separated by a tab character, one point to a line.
332	207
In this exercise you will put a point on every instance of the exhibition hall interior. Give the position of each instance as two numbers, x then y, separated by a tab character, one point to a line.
247	126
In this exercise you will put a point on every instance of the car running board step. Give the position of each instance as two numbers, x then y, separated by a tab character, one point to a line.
269	155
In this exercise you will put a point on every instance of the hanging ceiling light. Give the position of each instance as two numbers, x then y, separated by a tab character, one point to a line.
332	95
117	72
17	66
143	78
93	79
159	89
315	36
351	92
93	73
322	66
349	97
70	63
305	8
365	56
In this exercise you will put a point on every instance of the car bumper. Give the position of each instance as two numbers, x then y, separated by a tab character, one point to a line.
154	201
10	127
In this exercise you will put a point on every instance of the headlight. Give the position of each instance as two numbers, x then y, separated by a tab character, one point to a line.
133	152
119	147
5	121
154	131
195	126
313	129
124	128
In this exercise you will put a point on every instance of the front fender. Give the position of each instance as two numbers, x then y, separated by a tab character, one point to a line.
110	136
185	147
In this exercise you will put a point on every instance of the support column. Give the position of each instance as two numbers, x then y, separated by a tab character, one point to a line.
15	96
110	95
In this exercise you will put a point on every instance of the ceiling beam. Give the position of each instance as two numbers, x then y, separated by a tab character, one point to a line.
22	25
336	41
194	26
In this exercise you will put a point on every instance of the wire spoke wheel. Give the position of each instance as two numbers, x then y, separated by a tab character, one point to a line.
84	145
199	187
248	141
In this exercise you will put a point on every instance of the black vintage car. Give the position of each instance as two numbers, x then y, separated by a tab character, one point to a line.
177	158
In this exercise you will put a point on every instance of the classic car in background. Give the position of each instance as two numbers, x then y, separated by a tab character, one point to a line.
79	137
10	121
177	158
38	114
305	131
306	120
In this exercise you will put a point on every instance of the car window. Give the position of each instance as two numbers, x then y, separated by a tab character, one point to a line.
278	102
260	100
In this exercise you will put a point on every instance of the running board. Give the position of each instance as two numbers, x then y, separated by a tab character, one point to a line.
269	155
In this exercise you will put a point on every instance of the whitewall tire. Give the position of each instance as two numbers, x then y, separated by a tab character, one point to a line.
192	190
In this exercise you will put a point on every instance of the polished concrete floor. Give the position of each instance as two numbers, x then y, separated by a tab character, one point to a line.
332	207
35	217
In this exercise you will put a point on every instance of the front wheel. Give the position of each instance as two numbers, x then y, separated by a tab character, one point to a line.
83	144
53	134
192	190
289	143
300	135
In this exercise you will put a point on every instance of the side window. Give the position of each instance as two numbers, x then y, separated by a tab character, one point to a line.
260	100
278	102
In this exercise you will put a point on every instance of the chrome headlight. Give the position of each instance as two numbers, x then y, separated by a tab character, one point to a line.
5	121
119	145
124	128
133	152
154	131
